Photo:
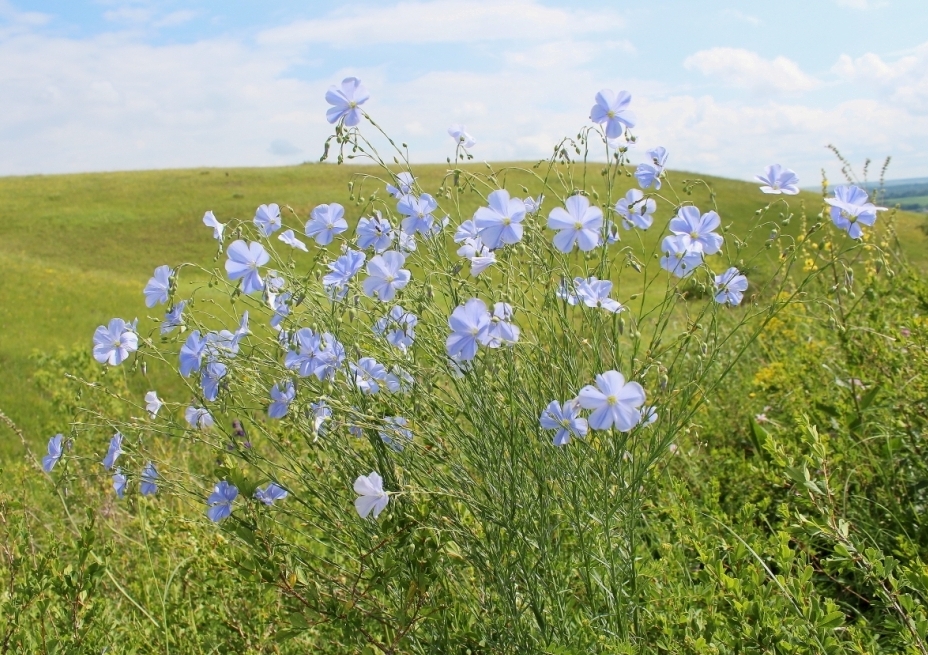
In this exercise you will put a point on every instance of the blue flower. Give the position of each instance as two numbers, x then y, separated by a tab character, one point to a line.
198	417
405	183
342	270
466	230
398	380
220	501
406	242
54	453
119	483
418	213
267	219
346	102
593	292
698	229
636	210
459	133
532	205
112	343
281	309
650	172
566	420
148	486
244	261
479	255
681	255
613	401
395	432
579	225
290	239
269	494
367	374
851	208
470	326
316	354
152	403
320	413
612	110
191	353
371	496
777	179
386	275
281	397
156	291
398	327
174	317
325	222
210	378
210	221
375	232
501	222
502	330
730	287
113	452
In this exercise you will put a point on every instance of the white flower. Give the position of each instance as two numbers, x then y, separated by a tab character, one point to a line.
152	403
371	495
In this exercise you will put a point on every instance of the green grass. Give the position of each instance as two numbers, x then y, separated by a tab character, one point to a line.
77	249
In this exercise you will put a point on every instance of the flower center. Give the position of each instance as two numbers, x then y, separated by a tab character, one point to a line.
565	422
610	113
389	279
694	235
578	225
612	400
352	104
507	220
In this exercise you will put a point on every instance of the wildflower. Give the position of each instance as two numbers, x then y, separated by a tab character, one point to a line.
191	353
850	208
648	415
210	221
174	317
680	257
470	325
612	110
580	224
281	397
466	230
613	401
320	413
220	501
148	486
395	433
385	275
152	403
342	270
113	452
267	219
398	327
566	420
595	293
502	330
376	233
371	495
501	222
346	102
198	417
288	237
367	373
119	483
210	377
406	242
243	262
325	222
459	133
479	255
405	182
730	287
398	380
418	213
156	291
113	343
610	234
636	210
281	309
329	357
778	180
649	173
54	453
698	229
532	205
271	493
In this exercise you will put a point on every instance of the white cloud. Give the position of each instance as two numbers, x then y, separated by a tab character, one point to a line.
737	15
861	4
748	70
903	81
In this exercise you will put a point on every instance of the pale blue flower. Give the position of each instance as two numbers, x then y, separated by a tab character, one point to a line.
395	432
466	230
271	493
54	453
698	229
612	110
566	420
777	179
459	133
398	380
648	415
532	205
367	375
316	354
148	486
613	401
267	219
580	224
119	483
288	237
152	403
398	327
649	173
610	234
730	287
404	186
210	379
281	397
198	417
406	242
113	452
342	270
243	263
593	292
372	497
418	213
681	256
220	501
191	353
375	232
501	222
385	276
346	102
636	210
851	208
320	413
280	305
113	343
325	222
210	221
470	326
479	255
156	291
174	317
502	331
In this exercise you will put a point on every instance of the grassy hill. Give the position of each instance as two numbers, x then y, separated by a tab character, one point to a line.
78	249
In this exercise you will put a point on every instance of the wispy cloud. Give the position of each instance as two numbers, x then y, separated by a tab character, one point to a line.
740	16
748	70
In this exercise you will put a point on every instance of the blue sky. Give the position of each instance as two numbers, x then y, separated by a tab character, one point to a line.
727	87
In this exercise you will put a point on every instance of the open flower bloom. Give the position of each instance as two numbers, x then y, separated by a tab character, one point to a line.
595	293
119	483
681	255
566	420
612	110
371	496
636	210
113	452
501	222
649	172
210	378
54	453
152	403
113	343
613	401
459	133
174	317
698	229
418	213
730	287
210	221
851	208
580	224
346	101
777	179
270	494
398	327
502	332
191	353
367	374
148	486
281	397
466	230
376	233
404	182
267	219
325	222
220	501
479	255
386	275
342	270
198	417
288	237
156	291
470	326
243	263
